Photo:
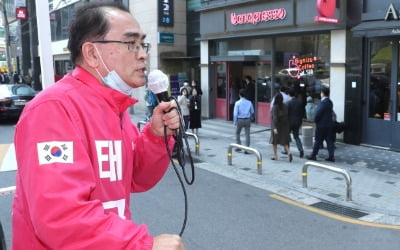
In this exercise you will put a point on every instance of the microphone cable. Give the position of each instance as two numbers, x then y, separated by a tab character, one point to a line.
181	156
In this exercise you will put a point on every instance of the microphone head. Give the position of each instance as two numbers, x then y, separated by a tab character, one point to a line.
157	81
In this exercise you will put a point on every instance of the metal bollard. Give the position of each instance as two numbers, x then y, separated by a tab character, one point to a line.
141	123
196	139
307	133
330	168
247	149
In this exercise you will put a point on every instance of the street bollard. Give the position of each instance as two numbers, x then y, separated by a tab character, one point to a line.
247	149
330	168
307	136
197	142
141	123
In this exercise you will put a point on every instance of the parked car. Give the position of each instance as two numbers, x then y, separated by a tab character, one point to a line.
13	98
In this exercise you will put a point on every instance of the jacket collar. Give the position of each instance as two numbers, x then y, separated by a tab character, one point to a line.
117	100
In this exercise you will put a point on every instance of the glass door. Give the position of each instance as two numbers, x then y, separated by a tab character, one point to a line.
383	86
221	73
264	92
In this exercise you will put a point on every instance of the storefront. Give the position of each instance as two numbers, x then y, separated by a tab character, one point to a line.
381	66
275	44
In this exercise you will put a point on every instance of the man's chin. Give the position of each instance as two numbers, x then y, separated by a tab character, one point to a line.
138	83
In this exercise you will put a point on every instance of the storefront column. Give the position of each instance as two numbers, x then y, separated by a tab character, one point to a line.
206	101
338	71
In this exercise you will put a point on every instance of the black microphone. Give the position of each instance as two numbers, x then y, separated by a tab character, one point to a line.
158	84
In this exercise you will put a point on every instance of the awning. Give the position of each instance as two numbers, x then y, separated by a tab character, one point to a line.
377	28
184	58
243	58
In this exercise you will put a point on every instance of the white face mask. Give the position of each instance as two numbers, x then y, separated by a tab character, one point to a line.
113	80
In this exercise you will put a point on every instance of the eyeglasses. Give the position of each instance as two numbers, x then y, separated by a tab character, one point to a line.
132	45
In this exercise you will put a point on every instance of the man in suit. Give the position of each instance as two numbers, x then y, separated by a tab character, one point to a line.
296	114
324	126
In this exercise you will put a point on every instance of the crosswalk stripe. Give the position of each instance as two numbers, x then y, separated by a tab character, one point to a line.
7	157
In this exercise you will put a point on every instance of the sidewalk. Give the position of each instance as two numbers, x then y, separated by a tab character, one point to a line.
375	173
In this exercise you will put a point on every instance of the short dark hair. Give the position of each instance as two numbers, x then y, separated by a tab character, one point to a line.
325	91
242	93
90	23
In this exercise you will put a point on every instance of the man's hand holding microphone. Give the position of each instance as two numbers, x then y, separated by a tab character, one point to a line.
165	114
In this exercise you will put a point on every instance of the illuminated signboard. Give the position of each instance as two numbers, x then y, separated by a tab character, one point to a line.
302	66
326	10
166	13
258	16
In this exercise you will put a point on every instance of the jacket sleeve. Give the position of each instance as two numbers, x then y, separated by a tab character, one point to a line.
151	159
319	111
57	195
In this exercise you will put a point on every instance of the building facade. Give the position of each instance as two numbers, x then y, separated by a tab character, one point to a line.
165	25
379	98
277	43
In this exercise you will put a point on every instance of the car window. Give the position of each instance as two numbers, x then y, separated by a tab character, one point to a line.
23	90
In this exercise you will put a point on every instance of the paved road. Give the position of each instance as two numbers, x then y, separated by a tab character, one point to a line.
240	212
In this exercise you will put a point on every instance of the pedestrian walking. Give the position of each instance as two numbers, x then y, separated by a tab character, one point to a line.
310	109
249	86
184	103
296	114
280	133
195	111
324	126
233	96
242	113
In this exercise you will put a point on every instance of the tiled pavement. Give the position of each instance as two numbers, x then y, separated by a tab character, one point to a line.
375	173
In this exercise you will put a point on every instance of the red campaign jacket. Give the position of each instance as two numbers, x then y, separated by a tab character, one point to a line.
79	157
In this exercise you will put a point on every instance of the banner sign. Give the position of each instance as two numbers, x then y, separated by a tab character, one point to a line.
258	16
166	13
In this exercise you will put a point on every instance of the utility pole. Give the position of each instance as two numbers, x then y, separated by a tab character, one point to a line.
44	37
6	34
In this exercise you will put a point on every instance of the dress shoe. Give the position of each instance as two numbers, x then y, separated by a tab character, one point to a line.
238	150
246	153
301	154
330	159
310	157
284	152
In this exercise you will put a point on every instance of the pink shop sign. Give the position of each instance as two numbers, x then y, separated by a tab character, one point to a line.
258	16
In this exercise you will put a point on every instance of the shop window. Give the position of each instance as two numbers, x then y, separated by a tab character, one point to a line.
302	63
244	47
380	73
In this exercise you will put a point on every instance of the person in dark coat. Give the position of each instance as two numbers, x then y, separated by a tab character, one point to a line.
249	86
280	127
195	111
324	126
296	114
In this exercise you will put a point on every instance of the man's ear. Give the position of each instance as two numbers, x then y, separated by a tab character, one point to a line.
90	54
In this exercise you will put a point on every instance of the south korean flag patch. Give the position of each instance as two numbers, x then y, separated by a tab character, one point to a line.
55	152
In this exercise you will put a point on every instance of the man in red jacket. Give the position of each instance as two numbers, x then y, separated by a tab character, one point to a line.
79	155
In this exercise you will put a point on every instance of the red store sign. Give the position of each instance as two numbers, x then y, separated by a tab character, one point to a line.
259	16
326	10
20	13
